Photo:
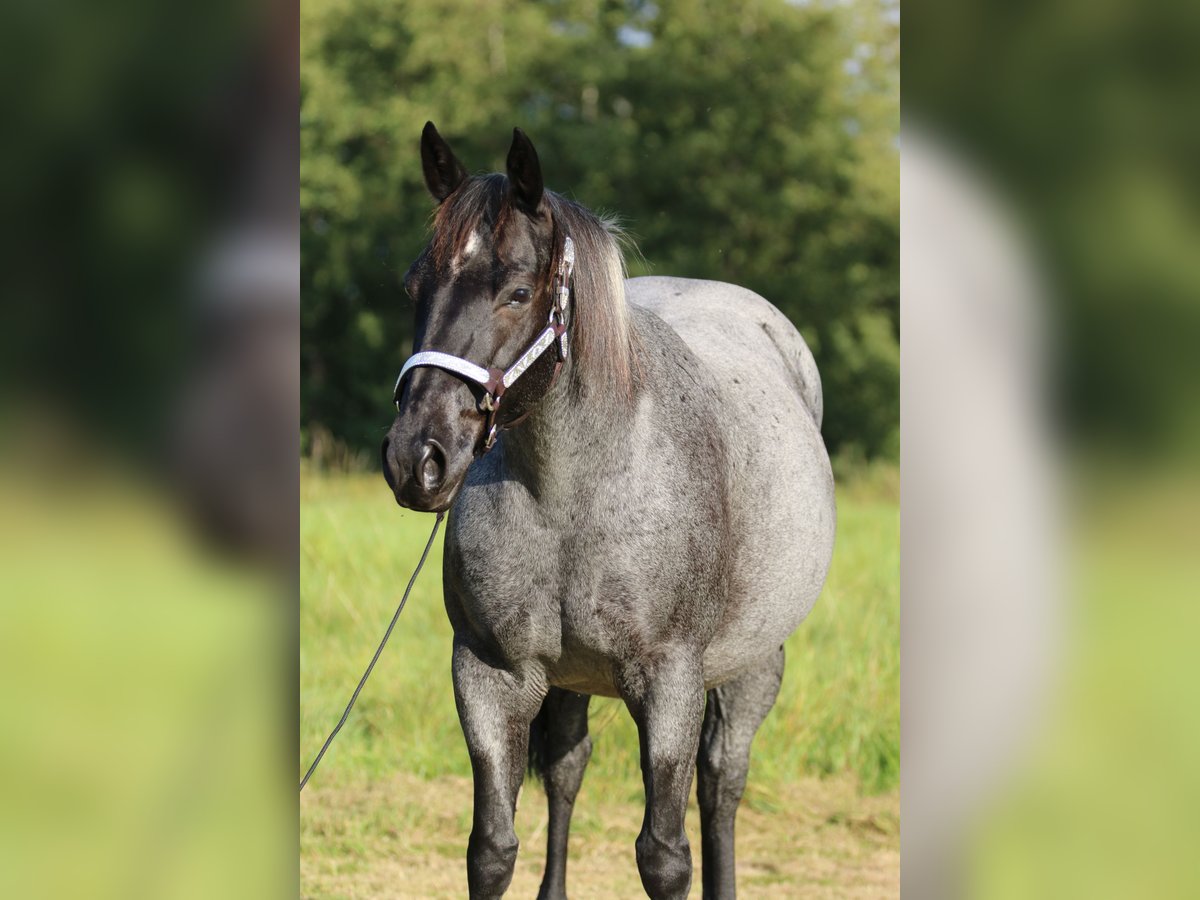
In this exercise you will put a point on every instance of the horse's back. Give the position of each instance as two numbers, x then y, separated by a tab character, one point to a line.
779	481
731	327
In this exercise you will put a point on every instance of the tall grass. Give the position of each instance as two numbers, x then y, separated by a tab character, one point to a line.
839	709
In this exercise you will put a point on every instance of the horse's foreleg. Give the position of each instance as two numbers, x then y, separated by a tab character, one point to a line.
565	755
666	699
731	717
495	707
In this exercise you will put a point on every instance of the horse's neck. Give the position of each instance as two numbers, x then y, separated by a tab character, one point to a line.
569	438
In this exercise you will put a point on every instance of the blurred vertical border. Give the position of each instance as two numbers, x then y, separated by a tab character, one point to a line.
1051	500
148	448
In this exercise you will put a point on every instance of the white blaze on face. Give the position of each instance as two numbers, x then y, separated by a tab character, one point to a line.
474	242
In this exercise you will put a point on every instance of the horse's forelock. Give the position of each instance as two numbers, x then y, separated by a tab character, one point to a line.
477	204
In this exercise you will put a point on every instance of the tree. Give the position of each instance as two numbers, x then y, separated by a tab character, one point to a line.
754	145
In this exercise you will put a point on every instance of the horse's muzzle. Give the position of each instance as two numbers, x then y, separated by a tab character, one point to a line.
420	473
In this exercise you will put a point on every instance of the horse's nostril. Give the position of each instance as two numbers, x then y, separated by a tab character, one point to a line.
431	466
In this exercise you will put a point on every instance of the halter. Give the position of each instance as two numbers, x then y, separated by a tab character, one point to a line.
496	381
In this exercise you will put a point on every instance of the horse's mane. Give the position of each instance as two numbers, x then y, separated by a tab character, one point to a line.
602	341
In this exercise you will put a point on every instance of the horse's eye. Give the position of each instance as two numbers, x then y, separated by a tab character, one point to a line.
520	297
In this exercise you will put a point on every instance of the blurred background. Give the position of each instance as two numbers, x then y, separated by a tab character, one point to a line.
1051	312
752	143
148	449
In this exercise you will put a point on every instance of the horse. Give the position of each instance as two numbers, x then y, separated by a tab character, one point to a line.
640	505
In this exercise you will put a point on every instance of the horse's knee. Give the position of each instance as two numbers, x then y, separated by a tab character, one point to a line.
566	773
711	760
665	866
490	862
721	781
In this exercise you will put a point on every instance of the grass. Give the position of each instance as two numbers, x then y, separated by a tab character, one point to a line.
403	836
837	717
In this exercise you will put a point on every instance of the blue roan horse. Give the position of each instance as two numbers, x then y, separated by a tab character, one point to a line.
641	506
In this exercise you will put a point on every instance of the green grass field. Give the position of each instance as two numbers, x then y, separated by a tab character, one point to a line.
837	717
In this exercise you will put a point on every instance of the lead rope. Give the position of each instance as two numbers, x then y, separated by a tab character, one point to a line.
367	674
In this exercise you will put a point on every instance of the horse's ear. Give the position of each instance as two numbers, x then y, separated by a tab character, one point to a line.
443	172
524	173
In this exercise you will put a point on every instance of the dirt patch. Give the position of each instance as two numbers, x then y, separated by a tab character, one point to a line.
406	838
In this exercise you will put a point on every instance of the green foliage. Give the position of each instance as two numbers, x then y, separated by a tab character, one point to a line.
752	143
838	710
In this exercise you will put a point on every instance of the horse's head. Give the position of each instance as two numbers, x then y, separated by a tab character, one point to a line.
483	291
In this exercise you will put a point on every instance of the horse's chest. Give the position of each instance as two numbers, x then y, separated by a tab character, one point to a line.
633	566
577	607
527	590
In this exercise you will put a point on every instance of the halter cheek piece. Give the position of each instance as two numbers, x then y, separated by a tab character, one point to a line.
496	381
